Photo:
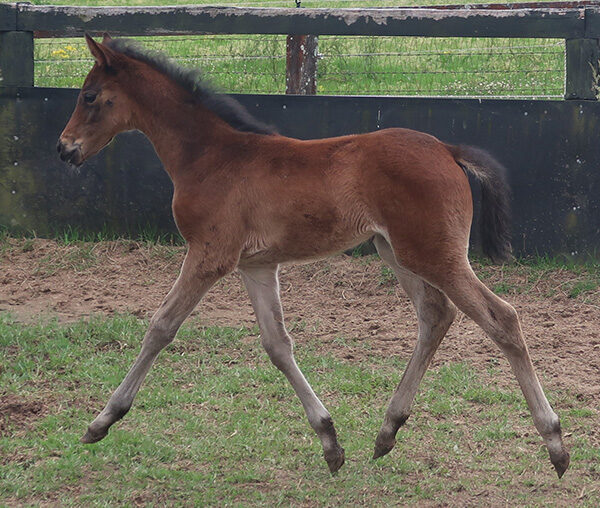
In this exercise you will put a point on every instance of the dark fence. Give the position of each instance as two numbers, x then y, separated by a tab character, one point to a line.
549	147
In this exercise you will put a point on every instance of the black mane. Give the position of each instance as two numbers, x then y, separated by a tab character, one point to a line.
191	80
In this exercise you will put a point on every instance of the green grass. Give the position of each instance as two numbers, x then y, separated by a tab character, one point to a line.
387	276
349	65
72	235
217	424
581	277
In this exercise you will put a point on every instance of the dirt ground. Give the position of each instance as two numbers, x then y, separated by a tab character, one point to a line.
339	297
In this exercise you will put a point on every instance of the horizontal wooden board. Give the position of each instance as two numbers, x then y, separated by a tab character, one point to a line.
65	21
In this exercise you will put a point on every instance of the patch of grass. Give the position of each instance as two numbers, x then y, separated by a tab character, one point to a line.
387	276
216	424
363	250
296	325
4	240
72	235
78	257
148	235
504	288
580	278
581	412
584	286
27	245
560	262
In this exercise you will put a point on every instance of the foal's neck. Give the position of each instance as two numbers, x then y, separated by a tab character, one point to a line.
182	131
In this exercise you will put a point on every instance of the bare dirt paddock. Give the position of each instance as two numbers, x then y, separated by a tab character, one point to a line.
339	297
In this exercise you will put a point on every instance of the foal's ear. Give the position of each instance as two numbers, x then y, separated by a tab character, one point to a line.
101	53
106	38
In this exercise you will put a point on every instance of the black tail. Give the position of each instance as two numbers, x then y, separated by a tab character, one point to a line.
495	199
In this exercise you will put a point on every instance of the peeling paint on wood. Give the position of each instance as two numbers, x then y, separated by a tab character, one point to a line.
160	20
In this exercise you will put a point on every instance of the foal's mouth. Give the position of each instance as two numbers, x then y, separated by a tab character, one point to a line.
71	154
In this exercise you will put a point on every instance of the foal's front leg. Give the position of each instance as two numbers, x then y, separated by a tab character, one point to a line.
263	287
187	291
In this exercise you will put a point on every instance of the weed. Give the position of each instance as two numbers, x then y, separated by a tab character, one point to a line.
504	288
27	245
583	286
386	276
356	252
5	245
4	235
297	325
341	341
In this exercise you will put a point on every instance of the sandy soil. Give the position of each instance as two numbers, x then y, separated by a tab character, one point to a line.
338	297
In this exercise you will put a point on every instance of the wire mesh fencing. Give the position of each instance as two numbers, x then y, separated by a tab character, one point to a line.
442	66
234	63
475	67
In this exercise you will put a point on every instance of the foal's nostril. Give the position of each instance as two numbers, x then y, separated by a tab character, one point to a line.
70	153
67	155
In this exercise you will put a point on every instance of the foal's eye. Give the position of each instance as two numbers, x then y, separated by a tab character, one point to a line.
88	98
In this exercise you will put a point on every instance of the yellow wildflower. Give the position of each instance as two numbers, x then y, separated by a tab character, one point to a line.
60	53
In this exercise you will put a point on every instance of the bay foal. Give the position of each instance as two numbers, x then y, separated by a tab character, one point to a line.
246	198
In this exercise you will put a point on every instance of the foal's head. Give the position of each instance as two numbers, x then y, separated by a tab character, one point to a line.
103	108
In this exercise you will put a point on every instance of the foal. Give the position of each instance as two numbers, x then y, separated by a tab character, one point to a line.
246	198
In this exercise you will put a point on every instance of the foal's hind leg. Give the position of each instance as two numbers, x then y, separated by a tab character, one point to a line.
189	288
499	320
435	314
263	287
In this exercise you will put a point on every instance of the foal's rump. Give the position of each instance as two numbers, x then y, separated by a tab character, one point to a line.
418	196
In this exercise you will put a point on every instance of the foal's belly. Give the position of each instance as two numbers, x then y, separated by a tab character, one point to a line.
305	251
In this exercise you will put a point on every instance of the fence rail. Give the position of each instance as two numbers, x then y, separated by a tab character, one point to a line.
69	21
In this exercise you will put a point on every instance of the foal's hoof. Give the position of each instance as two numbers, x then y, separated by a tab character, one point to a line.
383	447
93	437
335	459
560	461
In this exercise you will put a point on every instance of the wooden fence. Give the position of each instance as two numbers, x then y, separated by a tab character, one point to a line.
550	147
576	22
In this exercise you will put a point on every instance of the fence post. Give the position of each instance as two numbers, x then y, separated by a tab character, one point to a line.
582	57
301	64
16	58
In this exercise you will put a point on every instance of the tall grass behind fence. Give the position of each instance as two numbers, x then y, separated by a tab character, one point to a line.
477	67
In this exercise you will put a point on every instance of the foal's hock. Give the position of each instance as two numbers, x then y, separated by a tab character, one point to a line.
247	198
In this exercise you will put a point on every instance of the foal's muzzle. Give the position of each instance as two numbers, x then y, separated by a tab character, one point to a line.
70	152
